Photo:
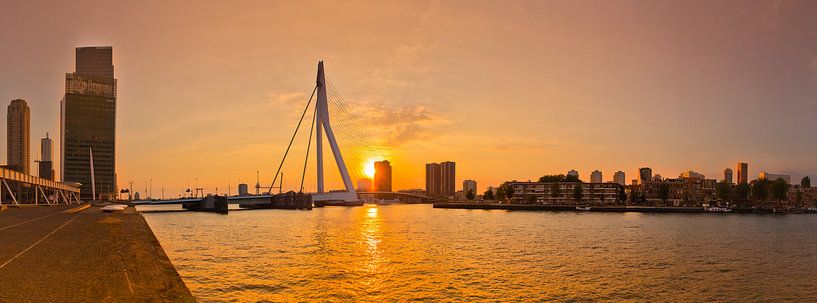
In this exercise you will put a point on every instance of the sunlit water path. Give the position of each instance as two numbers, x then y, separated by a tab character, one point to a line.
417	253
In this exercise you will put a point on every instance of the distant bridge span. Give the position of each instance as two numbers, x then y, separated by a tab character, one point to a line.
407	197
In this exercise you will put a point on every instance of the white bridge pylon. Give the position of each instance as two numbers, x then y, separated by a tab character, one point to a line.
321	124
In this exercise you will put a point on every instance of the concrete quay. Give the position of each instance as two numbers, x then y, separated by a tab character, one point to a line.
70	254
642	209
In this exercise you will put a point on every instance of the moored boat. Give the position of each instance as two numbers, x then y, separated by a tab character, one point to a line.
715	209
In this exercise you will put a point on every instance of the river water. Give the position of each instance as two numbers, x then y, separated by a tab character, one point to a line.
402	253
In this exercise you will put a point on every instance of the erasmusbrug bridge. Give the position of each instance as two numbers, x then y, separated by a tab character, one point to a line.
334	117
348	140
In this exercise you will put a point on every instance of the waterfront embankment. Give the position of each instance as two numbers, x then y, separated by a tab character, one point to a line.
62	254
640	209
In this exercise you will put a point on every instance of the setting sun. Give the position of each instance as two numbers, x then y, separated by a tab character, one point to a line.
368	169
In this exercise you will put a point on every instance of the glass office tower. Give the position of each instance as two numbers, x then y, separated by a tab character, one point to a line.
88	123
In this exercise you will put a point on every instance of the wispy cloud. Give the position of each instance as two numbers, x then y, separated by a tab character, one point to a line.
403	124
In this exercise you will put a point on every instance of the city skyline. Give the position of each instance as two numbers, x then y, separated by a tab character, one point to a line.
693	102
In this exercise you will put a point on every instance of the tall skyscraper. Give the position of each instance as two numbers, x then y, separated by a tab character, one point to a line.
743	173
440	179
18	136
433	184
573	173
382	176
595	177
46	166
88	122
727	175
469	185
95	61
644	174
620	178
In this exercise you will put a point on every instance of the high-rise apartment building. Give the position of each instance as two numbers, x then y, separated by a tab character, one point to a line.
727	175
743	173
46	166
440	179
469	185
620	178
382	176
595	177
644	174
573	173
18	136
88	122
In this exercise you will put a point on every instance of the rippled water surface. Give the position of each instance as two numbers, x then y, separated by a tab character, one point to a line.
417	253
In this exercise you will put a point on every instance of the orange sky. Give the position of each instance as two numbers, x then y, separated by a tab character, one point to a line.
508	90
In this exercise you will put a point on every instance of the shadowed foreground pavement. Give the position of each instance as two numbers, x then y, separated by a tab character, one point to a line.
49	255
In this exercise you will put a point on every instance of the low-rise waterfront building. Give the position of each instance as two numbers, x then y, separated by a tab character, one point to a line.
562	193
691	175
771	177
682	192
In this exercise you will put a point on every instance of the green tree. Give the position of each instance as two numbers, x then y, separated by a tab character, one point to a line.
780	189
724	191
622	196
663	192
760	191
742	193
488	195
469	195
556	191
500	193
508	191
558	179
577	193
531	199
805	182
552	178
799	198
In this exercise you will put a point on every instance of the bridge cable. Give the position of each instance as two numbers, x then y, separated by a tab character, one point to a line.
351	134
354	118
308	145
291	140
352	127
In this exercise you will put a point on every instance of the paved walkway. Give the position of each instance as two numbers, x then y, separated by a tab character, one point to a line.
48	254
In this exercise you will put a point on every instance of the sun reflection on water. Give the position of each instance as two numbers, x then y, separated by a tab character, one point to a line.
372	237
